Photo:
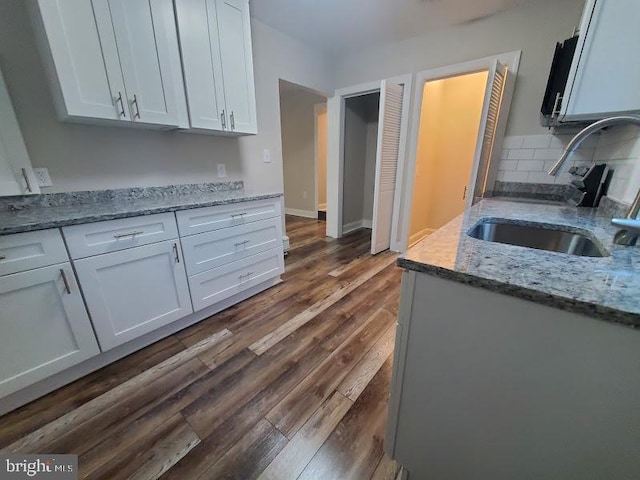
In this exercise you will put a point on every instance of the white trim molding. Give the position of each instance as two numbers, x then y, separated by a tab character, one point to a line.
300	213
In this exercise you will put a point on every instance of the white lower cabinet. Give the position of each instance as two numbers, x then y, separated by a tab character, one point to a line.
135	291
217	284
44	327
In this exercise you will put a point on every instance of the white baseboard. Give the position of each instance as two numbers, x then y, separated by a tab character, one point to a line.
286	244
301	213
357	225
416	237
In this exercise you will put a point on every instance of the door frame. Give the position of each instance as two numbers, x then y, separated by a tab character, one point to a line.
317	109
335	151
512	60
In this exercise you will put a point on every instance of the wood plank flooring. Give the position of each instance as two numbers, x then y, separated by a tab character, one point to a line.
290	384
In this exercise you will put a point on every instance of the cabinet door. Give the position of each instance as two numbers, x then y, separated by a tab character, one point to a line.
133	292
234	30
198	30
605	73
16	174
44	326
147	43
82	62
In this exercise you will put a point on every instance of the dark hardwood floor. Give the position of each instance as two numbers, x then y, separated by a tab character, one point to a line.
292	383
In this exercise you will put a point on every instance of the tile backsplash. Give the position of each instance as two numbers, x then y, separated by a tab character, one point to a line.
527	158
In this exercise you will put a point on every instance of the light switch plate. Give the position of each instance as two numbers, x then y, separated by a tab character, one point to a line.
222	170
266	156
42	175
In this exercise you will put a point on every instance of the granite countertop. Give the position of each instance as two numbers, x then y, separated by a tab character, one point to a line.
606	288
95	206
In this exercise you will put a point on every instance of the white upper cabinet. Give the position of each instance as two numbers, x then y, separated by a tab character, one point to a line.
113	60
16	174
215	40
605	72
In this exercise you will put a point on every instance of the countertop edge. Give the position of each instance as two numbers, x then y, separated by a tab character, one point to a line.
599	312
100	217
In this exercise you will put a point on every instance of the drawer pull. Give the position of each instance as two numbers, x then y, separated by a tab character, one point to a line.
175	251
248	274
236	215
130	234
66	282
237	244
3	257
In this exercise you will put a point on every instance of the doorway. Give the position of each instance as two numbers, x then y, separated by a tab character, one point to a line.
450	118
360	143
300	125
387	128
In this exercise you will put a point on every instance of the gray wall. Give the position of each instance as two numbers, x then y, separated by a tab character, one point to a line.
534	28
298	146
361	130
83	157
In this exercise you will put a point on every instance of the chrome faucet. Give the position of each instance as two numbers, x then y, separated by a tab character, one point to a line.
630	225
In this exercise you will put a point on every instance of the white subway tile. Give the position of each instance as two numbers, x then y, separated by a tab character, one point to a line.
536	141
521	154
513	141
504	154
547	154
560	141
516	177
511	165
530	165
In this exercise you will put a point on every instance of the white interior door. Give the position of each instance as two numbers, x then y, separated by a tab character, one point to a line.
389	128
483	174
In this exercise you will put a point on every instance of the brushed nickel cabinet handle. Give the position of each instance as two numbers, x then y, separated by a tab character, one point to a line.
128	234
66	282
235	215
3	257
26	179
175	251
233	121
237	244
119	100
223	118
135	102
248	274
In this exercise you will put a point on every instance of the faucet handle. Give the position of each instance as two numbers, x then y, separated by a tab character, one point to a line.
627	223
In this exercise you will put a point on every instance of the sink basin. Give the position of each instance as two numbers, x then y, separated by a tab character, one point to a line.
536	236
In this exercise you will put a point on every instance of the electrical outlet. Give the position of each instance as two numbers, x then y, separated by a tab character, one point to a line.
266	156
42	176
222	170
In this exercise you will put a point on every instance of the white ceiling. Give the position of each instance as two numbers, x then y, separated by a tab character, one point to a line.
340	26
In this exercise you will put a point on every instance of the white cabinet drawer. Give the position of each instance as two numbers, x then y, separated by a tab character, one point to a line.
26	251
45	327
199	220
113	235
214	285
209	250
134	292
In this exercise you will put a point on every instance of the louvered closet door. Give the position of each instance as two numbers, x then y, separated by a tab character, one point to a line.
492	107
391	96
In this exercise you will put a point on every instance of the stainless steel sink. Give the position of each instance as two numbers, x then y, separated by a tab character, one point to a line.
536	236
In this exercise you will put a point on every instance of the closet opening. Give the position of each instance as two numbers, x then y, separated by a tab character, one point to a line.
450	121
360	146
